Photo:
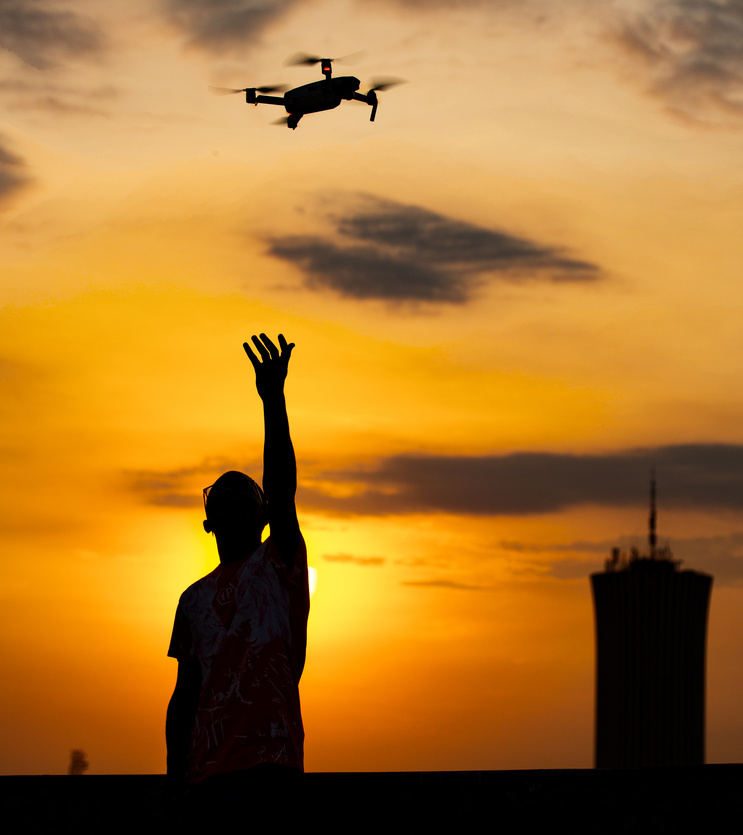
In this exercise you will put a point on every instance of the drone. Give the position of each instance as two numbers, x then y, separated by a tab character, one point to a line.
316	96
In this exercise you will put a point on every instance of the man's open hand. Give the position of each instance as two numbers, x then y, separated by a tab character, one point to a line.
271	372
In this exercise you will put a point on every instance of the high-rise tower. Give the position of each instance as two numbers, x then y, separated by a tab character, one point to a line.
651	635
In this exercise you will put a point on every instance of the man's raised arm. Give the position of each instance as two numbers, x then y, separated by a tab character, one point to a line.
279	462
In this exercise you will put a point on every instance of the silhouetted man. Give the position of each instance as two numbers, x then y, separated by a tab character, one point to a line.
234	727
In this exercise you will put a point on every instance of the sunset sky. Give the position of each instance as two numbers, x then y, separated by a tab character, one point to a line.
512	295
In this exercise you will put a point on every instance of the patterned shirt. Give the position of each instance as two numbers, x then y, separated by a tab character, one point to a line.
246	625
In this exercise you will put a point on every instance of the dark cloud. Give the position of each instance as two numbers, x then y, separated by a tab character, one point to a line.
438	240
698	476
400	253
704	476
183	487
13	173
694	50
365	561
369	273
41	34
225	24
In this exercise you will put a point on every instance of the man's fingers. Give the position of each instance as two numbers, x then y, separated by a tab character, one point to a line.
251	356
261	348
272	349
268	350
286	349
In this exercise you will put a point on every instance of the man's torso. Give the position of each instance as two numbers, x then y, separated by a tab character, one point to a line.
246	625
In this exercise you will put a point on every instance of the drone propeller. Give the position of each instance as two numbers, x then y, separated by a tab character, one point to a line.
384	83
303	59
226	91
380	84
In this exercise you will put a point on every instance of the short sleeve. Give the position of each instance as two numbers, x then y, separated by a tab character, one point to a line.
181	645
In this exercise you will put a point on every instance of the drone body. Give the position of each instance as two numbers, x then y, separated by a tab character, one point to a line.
316	96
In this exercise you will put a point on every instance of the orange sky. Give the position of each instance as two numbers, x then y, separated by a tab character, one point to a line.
512	294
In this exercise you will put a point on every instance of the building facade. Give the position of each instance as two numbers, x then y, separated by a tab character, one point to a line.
651	635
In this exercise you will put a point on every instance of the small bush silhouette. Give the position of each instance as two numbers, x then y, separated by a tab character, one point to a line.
78	762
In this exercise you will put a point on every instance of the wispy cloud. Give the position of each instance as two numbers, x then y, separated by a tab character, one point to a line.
686	53
183	487
217	25
13	173
41	34
349	558
720	556
691	476
445	584
33	93
57	106
401	253
693	50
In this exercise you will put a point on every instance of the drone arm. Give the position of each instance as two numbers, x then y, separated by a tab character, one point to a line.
269	100
371	99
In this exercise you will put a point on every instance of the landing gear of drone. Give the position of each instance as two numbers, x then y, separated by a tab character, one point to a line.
293	120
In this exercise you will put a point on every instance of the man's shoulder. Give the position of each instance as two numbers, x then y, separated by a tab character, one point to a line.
197	588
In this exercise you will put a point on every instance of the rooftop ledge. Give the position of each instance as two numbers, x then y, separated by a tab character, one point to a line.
647	800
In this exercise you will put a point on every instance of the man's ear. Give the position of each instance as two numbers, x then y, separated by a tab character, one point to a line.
207	526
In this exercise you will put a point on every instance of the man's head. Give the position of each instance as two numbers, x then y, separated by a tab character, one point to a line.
234	503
